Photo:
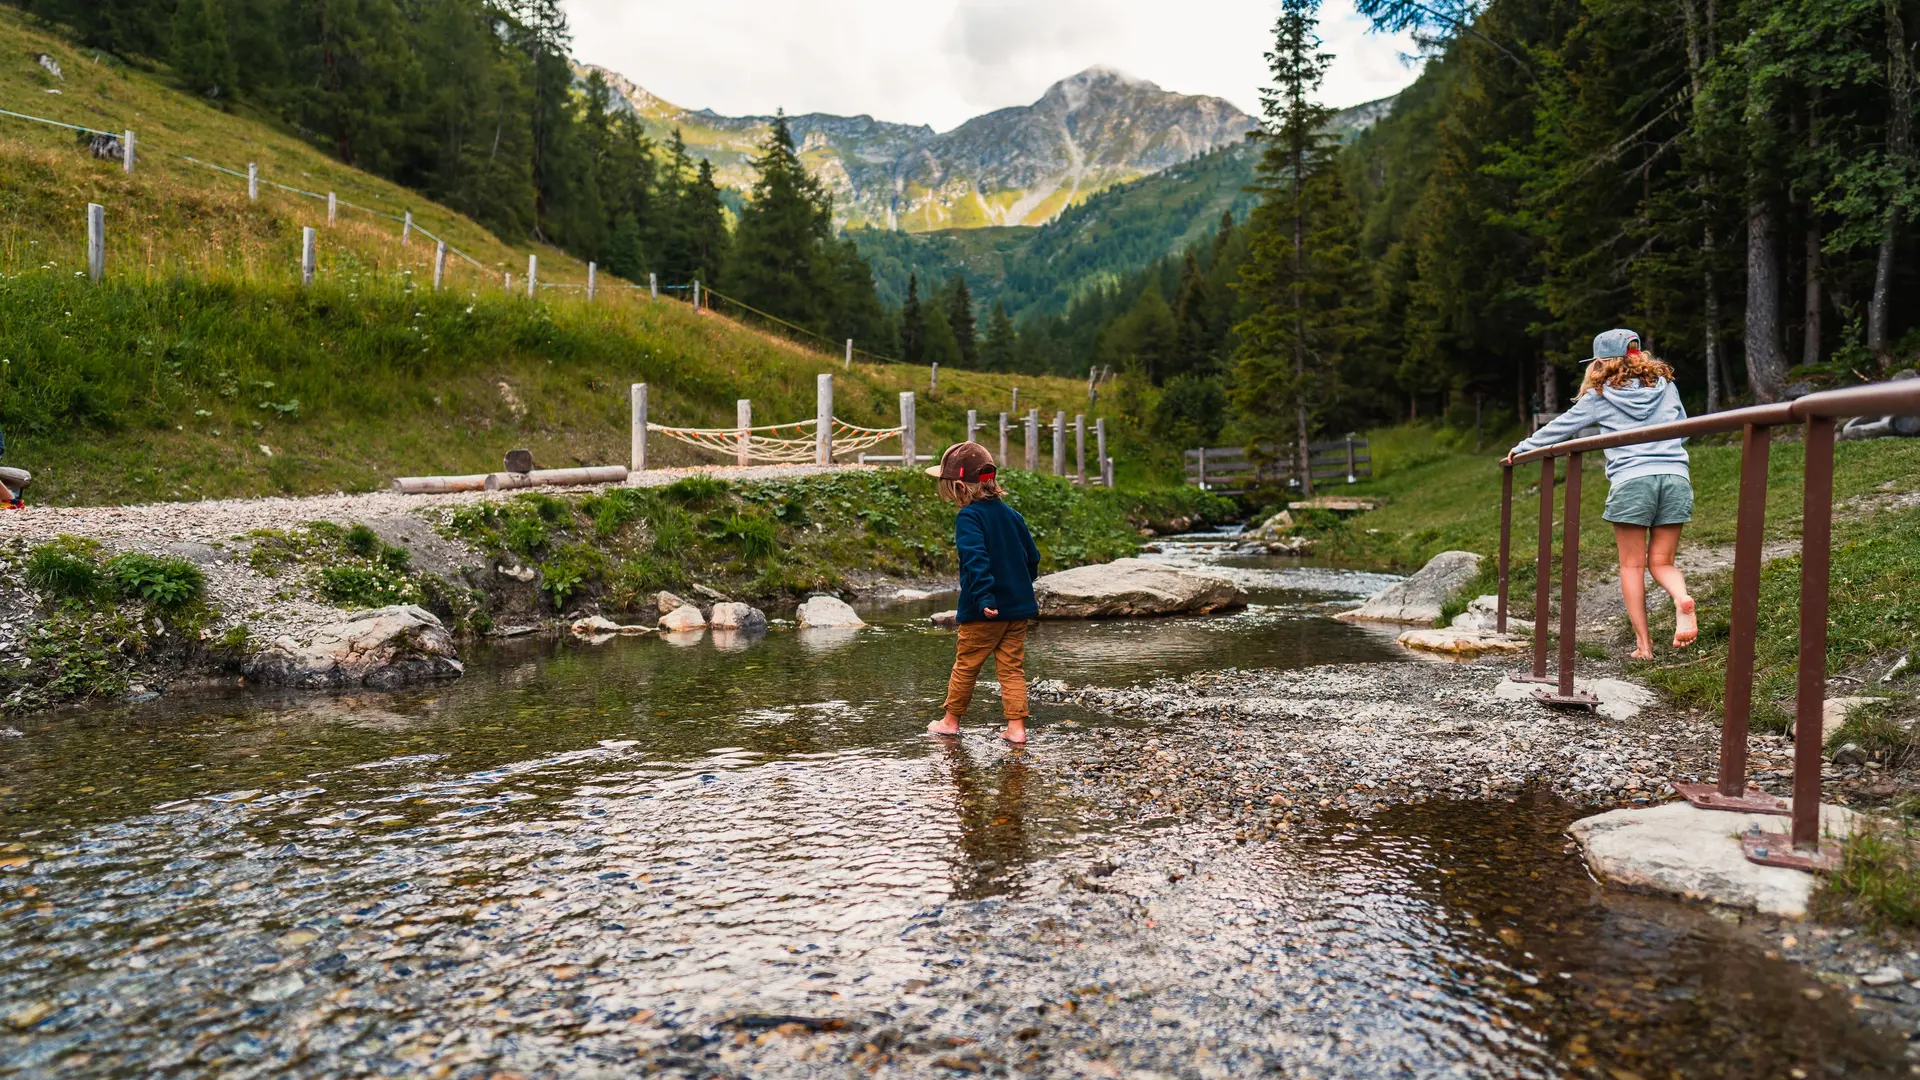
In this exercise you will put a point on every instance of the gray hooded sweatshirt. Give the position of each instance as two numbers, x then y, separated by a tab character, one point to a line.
1617	409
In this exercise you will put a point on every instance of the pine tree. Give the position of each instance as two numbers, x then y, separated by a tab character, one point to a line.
1299	277
1195	344
778	262
999	351
705	220
960	318
942	346
913	324
201	57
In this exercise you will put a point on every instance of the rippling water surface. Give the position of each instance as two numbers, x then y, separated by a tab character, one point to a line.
588	860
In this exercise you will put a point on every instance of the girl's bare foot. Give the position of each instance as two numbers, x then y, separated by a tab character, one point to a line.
1015	733
1643	652
946	725
1685	626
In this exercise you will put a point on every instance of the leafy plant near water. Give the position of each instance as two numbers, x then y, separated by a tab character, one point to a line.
366	586
1879	878
165	583
571	569
67	567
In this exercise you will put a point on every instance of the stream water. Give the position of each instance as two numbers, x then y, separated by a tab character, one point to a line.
591	860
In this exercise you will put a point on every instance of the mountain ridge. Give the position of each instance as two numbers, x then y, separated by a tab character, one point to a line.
1019	165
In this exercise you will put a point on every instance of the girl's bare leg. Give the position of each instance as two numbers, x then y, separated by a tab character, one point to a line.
1632	542
1666	541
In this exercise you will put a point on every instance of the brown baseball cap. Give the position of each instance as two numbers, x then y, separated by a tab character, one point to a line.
968	461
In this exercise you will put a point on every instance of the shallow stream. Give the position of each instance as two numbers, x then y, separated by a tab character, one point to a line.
597	860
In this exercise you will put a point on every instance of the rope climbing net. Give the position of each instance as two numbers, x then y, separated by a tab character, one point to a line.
778	444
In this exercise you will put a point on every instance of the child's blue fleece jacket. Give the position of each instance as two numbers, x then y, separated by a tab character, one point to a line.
998	562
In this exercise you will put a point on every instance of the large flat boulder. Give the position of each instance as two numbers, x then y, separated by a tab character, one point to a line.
1463	642
827	612
1681	850
742	617
1420	598
383	648
1127	588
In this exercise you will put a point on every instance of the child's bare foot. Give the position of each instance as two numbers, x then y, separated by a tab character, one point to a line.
1685	626
1016	732
946	725
1643	652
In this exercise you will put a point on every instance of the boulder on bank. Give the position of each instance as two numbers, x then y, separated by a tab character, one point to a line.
827	611
1420	598
667	603
1127	588
1483	613
742	617
383	648
599	627
1463	642
946	619
684	617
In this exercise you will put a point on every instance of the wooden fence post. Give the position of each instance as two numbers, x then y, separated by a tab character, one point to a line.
307	245
1100	452
253	182
1093	395
743	419
96	242
1033	440
508	278
653	285
439	264
126	152
1203	468
1106	473
406	228
533	274
909	431
593	280
696	294
823	416
933	380
1002	459
1080	449
1059	444
333	208
1015	410
639	394
1351	478
973	424
849	364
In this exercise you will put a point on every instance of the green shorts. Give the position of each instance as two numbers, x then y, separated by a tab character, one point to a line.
1664	499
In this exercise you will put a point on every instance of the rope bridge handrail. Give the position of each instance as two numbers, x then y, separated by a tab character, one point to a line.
771	447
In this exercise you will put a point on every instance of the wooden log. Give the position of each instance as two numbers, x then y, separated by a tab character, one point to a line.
435	485
592	474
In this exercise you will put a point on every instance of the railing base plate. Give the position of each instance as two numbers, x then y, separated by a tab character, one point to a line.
1573	700
1776	849
1550	680
1755	801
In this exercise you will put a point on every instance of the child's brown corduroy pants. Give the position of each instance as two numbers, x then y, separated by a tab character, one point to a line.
1006	642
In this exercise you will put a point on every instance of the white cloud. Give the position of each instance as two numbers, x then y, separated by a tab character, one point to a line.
943	61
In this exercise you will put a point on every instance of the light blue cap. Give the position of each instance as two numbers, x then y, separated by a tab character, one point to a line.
1613	343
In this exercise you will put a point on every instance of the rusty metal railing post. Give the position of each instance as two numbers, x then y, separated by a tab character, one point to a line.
1732	792
1564	693
1542	578
1506	545
1801	849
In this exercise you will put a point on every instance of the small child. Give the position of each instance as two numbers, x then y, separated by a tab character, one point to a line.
998	563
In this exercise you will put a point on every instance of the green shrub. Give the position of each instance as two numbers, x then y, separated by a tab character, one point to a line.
672	532
632	585
552	510
571	569
367	586
526	534
1874	730
163	582
362	541
613	510
697	491
755	536
67	567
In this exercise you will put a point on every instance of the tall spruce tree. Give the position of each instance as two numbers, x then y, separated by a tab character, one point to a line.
777	263
960	318
202	58
998	352
1299	279
913	324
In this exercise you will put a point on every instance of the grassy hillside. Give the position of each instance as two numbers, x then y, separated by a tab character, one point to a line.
1441	495
200	367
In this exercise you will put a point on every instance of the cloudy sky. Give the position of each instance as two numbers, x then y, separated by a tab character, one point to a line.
940	62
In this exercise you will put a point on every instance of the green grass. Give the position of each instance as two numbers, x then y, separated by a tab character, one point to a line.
1878	883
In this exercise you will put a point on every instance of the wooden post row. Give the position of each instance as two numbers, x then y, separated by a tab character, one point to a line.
96	242
823	417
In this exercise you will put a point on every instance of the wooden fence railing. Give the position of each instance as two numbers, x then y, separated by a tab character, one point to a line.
1230	470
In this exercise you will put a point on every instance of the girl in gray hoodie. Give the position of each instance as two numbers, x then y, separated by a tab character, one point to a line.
1650	496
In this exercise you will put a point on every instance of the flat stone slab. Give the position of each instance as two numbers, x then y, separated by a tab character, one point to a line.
1420	598
1619	699
1680	850
1462	641
1128	588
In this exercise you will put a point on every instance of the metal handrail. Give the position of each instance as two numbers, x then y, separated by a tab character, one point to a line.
1818	412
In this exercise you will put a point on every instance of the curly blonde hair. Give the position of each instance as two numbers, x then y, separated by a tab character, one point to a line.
1621	371
962	494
